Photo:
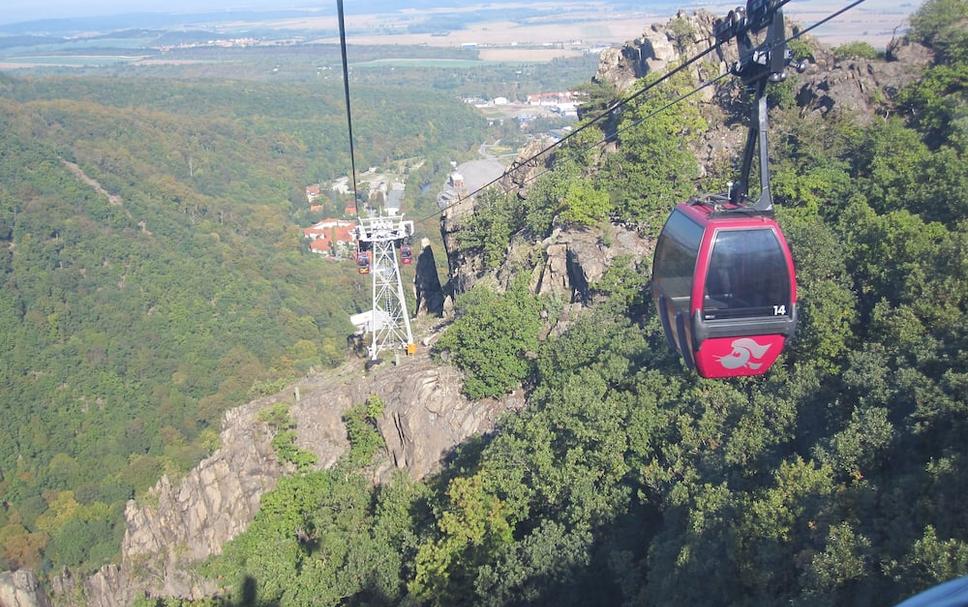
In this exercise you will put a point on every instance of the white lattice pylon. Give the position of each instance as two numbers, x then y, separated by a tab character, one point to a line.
389	325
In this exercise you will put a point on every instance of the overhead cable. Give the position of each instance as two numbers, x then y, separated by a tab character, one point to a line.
349	113
622	102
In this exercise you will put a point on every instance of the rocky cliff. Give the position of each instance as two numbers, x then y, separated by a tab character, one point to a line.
182	522
565	265
861	88
21	589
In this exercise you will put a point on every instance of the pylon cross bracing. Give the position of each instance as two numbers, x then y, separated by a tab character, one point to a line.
389	325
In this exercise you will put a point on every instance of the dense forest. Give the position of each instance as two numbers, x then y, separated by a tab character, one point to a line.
837	479
153	274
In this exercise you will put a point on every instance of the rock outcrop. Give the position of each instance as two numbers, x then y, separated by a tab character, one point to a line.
466	266
577	258
426	283
419	437
659	46
860	88
21	589
180	523
183	522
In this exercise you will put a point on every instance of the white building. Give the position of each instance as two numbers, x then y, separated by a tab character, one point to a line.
341	185
361	322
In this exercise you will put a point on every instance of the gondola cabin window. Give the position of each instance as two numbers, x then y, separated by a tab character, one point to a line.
675	261
747	276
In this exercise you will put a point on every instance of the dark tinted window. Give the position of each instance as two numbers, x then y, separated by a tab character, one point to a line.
747	276
675	256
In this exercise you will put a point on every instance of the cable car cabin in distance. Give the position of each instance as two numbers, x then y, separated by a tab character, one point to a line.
724	285
406	252
363	261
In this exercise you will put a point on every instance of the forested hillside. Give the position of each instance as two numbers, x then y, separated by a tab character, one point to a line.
135	310
837	479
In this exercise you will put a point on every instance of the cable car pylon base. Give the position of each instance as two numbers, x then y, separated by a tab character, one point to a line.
389	325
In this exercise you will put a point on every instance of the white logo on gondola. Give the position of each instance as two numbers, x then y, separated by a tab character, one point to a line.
743	350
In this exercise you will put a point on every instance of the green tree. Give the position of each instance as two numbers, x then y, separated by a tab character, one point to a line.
491	338
940	24
653	168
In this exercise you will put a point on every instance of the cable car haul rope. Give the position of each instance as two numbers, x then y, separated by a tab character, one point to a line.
723	279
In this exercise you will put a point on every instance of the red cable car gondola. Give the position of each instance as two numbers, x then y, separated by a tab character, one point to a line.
724	285
723	279
406	253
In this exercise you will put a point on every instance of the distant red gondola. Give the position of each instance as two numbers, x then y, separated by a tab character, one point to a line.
406	253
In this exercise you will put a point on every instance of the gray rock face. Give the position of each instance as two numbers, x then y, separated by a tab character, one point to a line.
21	589
182	523
659	46
431	417
576	259
860	87
426	283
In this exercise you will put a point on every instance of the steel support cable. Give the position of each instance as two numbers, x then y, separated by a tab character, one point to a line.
625	100
708	83
589	146
616	105
823	21
346	91
613	136
598	118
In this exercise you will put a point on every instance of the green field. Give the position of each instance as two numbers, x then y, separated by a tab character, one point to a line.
72	60
425	62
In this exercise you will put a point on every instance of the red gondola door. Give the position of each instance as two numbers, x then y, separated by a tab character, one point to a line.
743	300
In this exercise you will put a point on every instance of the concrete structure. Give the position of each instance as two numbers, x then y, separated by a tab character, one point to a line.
341	186
366	322
395	197
467	178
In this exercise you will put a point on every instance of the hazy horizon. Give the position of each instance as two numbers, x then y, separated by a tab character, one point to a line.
25	11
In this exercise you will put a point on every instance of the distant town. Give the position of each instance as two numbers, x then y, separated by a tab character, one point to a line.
334	238
384	189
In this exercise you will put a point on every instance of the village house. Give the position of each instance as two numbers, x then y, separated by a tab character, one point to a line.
333	238
313	193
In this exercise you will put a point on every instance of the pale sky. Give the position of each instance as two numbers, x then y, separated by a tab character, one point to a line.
30	10
14	11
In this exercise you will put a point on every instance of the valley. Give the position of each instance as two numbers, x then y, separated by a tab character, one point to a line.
186	423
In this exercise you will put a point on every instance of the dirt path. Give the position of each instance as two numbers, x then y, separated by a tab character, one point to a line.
113	199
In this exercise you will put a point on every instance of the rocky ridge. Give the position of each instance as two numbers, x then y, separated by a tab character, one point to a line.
21	589
862	88
180	523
